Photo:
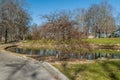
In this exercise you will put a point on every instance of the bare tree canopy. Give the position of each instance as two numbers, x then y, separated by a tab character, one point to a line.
14	20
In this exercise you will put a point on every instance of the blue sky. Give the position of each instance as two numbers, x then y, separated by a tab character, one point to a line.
41	7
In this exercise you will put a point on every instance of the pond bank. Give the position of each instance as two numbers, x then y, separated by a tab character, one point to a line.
50	55
59	46
106	46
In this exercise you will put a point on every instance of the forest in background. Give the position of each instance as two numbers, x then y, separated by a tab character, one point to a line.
15	22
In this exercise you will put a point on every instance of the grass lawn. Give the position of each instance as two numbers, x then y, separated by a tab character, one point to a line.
102	70
104	40
95	41
40	42
50	43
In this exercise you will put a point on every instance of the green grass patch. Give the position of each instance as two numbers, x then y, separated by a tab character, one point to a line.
102	70
104	40
41	42
73	41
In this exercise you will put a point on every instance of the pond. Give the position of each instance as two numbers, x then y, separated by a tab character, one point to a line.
62	56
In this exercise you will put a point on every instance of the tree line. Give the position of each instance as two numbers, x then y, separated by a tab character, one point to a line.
62	25
98	19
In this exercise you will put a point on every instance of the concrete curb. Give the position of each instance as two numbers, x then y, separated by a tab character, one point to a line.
55	72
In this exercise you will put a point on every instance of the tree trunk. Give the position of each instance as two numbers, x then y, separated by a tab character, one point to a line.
6	34
99	33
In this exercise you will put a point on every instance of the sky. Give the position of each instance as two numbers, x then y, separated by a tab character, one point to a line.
41	7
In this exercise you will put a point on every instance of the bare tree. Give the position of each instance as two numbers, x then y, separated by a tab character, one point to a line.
60	25
118	21
100	19
81	22
14	19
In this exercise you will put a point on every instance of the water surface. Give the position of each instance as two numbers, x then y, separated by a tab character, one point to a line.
59	54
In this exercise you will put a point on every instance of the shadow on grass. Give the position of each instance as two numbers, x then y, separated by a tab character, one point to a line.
103	70
112	68
67	70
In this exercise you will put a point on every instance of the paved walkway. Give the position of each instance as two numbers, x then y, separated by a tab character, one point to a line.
17	68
